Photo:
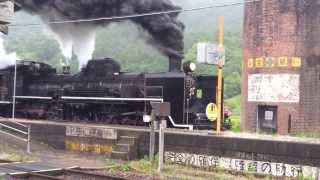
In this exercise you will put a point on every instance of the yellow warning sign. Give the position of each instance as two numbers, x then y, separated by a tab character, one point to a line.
259	62
251	63
270	62
283	61
212	112
296	62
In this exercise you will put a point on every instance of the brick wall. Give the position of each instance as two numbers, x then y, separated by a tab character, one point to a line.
284	28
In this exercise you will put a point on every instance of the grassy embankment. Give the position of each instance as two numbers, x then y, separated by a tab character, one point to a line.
173	171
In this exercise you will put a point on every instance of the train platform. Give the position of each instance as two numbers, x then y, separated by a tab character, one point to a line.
105	140
209	133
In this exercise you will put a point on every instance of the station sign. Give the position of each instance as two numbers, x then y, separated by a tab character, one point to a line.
209	53
275	62
212	112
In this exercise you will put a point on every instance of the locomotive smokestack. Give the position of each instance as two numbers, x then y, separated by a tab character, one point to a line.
175	64
166	31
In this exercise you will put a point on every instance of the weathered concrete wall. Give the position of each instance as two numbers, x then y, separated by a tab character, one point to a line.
75	138
281	38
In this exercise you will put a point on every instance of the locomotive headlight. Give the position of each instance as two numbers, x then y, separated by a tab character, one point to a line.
189	67
146	118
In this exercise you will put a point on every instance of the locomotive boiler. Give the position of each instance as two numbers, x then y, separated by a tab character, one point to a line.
102	93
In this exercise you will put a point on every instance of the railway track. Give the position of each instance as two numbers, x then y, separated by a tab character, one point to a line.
65	174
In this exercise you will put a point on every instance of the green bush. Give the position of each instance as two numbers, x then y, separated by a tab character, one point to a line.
236	124
234	104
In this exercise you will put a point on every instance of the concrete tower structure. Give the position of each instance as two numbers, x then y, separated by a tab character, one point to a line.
281	66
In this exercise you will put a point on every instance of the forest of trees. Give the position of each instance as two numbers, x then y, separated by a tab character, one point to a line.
123	42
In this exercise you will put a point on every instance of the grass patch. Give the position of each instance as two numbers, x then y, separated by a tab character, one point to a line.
308	135
173	171
179	172
15	157
143	166
236	123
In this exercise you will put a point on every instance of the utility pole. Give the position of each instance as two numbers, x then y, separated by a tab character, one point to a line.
220	74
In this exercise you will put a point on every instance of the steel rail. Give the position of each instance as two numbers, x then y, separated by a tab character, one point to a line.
93	175
42	176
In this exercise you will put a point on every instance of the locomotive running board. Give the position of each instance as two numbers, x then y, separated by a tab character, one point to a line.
5	102
113	99
33	97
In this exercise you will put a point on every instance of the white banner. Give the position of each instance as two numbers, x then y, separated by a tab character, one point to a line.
274	88
91	132
260	167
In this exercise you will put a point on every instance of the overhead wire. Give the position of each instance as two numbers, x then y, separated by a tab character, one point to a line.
114	18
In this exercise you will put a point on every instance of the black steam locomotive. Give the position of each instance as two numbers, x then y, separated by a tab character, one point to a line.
101	93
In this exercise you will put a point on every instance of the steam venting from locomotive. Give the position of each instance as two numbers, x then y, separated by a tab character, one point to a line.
76	39
166	31
6	59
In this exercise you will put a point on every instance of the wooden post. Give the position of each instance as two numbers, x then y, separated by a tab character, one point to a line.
220	75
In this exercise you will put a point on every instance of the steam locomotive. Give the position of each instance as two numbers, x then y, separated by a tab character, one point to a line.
102	93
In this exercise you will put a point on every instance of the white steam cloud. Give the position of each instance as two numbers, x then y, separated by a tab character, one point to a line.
76	39
5	58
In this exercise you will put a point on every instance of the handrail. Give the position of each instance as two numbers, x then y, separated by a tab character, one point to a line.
26	133
17	123
14	129
17	137
190	127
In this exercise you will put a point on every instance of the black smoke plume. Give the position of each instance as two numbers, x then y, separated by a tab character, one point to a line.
166	30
